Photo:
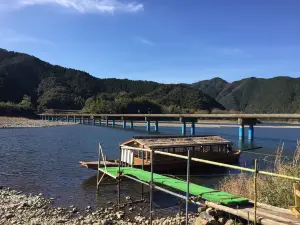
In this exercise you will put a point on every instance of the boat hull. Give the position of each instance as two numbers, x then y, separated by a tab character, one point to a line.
170	164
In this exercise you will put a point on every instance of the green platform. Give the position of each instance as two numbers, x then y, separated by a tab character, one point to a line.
209	194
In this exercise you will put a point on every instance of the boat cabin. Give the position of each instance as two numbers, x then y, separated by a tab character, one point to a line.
209	147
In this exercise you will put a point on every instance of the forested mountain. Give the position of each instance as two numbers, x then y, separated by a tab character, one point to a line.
49	86
183	96
256	95
32	83
211	87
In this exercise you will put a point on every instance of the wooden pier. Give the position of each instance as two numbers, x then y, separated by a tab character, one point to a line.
238	206
193	193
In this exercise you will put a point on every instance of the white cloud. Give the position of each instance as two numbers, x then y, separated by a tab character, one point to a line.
144	41
82	6
8	36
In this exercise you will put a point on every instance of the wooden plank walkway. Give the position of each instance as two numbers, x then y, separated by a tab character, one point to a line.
210	194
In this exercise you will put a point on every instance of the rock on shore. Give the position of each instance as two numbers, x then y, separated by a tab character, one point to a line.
18	208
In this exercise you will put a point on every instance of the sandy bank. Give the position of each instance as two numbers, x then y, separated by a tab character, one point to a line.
14	122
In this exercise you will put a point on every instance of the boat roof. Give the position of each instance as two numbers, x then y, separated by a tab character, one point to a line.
178	141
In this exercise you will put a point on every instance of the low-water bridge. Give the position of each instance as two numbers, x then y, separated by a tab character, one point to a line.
184	119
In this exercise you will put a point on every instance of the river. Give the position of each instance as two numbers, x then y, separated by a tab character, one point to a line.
45	160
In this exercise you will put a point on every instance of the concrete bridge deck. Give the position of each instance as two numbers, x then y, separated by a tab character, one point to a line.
96	119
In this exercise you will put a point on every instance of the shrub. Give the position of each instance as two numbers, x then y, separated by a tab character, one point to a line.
271	190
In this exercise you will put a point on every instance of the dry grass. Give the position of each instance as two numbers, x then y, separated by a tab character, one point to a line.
271	190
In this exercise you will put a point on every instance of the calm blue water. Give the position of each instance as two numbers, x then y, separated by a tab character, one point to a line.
46	160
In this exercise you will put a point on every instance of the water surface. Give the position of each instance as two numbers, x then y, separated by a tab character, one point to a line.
46	160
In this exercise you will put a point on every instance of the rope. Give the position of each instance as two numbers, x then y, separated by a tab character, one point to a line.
258	153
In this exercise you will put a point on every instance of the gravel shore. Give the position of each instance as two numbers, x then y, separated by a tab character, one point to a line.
11	122
18	208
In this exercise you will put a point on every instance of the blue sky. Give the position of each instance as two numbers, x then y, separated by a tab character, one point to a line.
168	41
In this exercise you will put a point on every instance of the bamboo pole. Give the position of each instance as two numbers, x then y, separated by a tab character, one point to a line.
228	165
243	213
119	174
187	188
214	163
142	169
151	187
255	189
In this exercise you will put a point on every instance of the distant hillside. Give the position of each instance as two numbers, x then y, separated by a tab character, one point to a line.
186	97
211	87
257	95
50	86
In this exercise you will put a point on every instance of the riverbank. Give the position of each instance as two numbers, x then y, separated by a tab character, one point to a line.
18	208
16	122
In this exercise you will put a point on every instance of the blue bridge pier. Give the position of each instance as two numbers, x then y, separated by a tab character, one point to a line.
250	123
131	124
184	122
156	126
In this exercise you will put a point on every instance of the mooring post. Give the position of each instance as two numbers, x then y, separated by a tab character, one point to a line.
255	189
106	122
251	132
183	128
148	125
193	128
187	188
131	124
156	126
151	187
124	124
113	123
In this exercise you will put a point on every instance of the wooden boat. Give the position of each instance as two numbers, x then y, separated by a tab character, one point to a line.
208	147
